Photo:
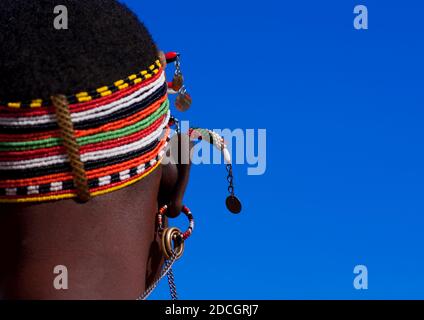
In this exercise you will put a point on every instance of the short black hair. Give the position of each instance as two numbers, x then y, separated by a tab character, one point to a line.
104	42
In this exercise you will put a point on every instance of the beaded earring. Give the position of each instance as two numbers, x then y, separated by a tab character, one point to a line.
197	134
172	247
183	101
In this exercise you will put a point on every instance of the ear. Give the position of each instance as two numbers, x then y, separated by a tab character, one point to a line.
175	175
162	58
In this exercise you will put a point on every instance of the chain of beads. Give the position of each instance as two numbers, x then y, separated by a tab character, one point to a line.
185	235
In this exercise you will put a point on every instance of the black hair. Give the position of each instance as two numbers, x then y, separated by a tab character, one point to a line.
104	42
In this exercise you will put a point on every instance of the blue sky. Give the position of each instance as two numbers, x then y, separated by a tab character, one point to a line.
345	159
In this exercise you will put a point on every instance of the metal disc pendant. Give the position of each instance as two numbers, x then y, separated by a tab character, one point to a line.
183	101
178	82
233	204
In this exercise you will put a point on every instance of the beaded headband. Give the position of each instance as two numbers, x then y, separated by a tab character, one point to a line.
84	145
95	142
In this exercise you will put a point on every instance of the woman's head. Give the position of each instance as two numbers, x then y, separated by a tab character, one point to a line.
109	242
104	42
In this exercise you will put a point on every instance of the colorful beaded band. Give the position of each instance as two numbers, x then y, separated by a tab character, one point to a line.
87	96
119	138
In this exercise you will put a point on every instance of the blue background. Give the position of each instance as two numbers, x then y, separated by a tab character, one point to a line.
343	112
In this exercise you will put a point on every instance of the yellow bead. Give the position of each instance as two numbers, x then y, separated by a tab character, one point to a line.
14	104
106	93
81	94
85	99
36	103
103	89
124	86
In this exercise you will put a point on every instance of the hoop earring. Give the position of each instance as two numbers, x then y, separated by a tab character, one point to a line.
173	239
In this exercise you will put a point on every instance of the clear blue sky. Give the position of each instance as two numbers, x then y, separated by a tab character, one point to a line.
344	113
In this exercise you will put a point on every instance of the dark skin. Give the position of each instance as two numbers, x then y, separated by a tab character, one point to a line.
109	245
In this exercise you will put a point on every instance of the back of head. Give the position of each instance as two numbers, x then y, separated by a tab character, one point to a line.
108	243
104	42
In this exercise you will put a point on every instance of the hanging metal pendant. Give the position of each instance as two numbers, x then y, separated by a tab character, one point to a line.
172	243
177	82
183	101
233	204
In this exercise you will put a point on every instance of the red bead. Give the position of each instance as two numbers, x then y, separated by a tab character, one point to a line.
171	56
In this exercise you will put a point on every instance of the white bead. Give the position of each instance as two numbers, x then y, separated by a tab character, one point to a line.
227	156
